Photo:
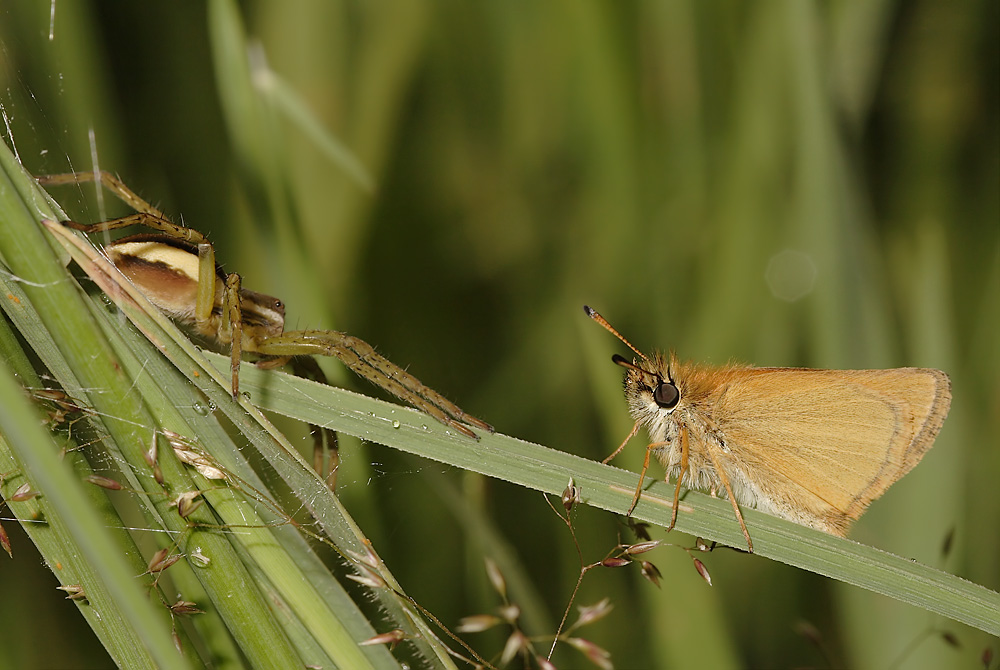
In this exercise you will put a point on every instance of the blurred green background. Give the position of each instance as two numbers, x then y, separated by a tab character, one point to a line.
783	183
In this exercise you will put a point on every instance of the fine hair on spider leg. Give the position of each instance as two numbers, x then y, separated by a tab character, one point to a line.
175	268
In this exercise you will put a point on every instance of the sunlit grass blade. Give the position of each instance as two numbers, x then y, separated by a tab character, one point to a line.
610	488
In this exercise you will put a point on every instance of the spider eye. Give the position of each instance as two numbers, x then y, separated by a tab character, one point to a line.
666	395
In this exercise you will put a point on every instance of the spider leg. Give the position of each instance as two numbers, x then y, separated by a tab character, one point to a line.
361	358
206	284
158	223
326	451
231	327
108	181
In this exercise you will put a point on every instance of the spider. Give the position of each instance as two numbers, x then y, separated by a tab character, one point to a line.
175	269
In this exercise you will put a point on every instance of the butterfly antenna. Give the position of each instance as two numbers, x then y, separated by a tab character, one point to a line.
592	313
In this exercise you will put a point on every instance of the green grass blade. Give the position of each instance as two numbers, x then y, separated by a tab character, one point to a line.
609	488
133	628
259	636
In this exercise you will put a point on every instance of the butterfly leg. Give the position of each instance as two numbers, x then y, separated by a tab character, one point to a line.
642	475
732	498
685	450
635	429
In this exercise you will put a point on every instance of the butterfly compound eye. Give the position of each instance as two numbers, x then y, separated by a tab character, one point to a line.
666	395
